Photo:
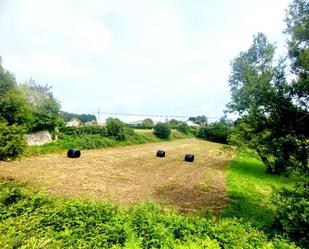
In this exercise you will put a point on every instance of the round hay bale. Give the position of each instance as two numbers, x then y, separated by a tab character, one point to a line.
73	153
160	153
189	158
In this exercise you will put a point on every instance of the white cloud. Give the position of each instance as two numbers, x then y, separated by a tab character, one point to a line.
134	56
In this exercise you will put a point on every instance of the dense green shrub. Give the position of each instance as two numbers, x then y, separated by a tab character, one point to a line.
201	132
83	130
118	129
162	130
292	215
12	143
217	132
141	126
183	128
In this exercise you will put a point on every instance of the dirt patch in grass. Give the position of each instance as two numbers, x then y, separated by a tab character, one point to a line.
133	174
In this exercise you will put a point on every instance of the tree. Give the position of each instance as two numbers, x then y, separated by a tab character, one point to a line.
297	21
183	128
117	129
43	104
292	204
161	130
12	143
13	106
201	120
148	122
270	123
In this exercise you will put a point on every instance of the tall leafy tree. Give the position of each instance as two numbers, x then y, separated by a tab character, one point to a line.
13	106
298	30
45	107
15	116
292	204
270	124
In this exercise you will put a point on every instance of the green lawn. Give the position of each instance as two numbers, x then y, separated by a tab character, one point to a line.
250	191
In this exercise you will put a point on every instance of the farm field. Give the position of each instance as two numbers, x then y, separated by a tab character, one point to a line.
133	174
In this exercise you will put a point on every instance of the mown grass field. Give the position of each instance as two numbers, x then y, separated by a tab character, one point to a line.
126	197
133	174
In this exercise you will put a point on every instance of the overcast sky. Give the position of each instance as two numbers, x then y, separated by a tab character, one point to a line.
151	56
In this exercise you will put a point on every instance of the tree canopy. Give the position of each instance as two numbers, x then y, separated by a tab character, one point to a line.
271	123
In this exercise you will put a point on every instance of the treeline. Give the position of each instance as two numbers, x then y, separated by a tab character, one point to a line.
83	118
216	132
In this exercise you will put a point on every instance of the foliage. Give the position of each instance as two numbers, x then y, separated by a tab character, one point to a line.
12	143
183	128
67	116
162	130
148	122
201	120
216	132
173	123
13	107
30	219
44	106
201	132
83	130
270	123
297	21
118	129
292	216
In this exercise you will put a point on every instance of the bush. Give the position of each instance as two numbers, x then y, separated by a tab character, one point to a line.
118	130
162	130
183	128
201	132
85	130
216	132
12	143
292	216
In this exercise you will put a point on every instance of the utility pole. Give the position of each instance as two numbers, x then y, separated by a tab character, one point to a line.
98	115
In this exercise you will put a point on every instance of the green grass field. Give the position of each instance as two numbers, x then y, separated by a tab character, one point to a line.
250	190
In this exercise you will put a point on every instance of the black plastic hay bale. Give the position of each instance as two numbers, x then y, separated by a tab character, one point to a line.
189	158
160	153
73	153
